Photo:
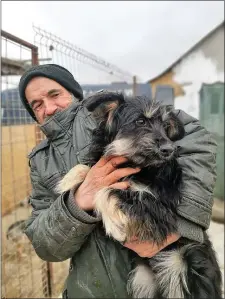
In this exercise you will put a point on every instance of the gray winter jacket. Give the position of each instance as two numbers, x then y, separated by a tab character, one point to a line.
59	230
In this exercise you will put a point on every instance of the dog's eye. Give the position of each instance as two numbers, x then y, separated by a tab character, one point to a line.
140	122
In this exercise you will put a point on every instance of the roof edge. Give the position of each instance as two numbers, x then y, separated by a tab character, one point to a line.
188	52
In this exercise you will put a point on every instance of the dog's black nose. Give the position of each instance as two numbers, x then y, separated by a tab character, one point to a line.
166	150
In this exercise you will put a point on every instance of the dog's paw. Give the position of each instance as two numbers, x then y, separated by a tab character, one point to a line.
73	178
114	220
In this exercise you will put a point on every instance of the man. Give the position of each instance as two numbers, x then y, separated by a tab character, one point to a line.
63	227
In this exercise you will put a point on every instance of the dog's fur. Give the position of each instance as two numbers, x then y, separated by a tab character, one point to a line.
144	133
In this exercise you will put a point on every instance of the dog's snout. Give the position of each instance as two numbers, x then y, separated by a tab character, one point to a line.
166	150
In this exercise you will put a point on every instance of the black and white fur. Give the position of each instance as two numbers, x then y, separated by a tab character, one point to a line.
144	133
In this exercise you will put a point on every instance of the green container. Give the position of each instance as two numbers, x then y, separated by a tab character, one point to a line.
212	118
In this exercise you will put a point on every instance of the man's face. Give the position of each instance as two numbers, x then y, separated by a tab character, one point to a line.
45	97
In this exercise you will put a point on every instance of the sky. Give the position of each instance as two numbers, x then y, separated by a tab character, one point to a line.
140	37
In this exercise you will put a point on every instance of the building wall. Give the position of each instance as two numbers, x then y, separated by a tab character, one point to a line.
192	72
213	47
167	79
203	65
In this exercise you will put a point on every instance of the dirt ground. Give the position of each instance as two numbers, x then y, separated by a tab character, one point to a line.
24	274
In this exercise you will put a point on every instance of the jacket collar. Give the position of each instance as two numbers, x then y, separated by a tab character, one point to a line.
59	124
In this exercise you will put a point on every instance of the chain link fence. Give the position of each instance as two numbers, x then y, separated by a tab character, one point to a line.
24	275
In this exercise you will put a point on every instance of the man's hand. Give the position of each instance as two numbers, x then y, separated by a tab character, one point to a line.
103	174
149	249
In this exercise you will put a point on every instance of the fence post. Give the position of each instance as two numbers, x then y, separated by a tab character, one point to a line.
134	85
34	54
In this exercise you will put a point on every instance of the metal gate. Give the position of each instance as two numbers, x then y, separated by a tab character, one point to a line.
212	117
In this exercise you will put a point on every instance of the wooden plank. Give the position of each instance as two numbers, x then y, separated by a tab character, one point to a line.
17	142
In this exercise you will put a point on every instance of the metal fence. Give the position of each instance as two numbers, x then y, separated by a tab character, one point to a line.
24	275
86	67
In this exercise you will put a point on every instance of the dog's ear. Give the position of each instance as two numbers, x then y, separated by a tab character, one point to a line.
103	103
173	126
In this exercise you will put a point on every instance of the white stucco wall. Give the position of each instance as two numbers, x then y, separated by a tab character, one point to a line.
193	71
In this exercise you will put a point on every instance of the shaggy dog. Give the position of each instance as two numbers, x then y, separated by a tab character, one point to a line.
144	133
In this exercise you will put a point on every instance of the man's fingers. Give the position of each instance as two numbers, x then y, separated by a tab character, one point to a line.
171	239
102	161
120	185
148	253
110	162
149	248
121	173
113	163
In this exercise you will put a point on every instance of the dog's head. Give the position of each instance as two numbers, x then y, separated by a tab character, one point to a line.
136	128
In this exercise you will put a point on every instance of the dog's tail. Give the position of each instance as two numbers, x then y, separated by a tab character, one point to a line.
203	275
189	271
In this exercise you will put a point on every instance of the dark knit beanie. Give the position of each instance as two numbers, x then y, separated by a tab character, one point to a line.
51	71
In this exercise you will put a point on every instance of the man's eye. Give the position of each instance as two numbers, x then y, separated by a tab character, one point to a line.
37	106
140	122
54	95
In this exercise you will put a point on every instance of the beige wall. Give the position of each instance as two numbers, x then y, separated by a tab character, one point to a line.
167	79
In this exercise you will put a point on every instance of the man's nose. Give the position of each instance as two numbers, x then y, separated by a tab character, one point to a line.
50	108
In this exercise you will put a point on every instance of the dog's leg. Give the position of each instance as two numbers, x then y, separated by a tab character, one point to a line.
171	273
114	220
73	178
165	275
141	282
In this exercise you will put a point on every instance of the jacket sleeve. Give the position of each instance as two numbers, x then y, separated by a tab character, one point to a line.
55	232
197	157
